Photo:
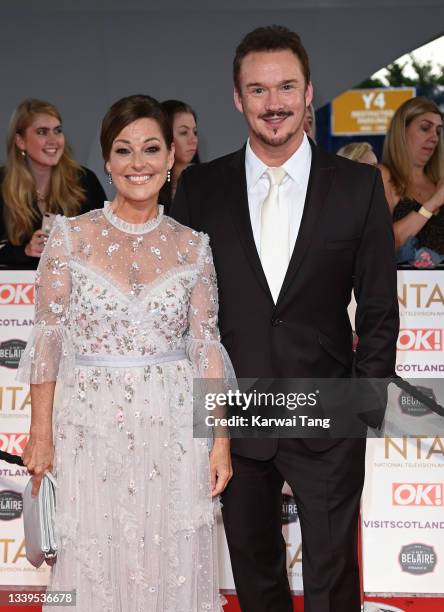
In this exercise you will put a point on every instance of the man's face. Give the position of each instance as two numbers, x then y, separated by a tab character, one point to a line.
273	97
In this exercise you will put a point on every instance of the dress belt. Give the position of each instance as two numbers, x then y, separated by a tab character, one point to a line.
129	361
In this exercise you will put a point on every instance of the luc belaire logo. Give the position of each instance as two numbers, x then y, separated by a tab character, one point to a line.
413	407
11	352
11	505
289	509
417	559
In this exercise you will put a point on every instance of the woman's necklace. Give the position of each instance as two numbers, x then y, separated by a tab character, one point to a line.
41	200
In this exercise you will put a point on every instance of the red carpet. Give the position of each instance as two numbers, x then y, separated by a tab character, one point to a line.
408	605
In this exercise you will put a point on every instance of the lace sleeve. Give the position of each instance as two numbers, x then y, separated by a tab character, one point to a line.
207	354
48	350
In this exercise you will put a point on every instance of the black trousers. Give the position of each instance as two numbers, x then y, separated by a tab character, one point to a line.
327	486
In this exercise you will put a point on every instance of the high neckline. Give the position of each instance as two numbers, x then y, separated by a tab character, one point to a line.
132	228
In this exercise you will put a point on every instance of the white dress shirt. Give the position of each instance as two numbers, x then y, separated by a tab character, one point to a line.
292	190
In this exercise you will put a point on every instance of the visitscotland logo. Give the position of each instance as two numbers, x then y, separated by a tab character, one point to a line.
420	340
417	559
11	352
16	294
418	494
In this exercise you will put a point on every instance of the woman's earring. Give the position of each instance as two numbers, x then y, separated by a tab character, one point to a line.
168	176
110	178
22	153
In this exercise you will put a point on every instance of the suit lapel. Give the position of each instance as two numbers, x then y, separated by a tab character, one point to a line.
237	196
319	182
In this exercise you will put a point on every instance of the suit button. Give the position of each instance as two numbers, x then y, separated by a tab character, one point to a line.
276	322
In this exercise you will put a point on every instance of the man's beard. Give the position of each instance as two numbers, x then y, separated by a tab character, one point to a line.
274	141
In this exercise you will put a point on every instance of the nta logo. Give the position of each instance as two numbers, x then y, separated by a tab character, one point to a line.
417	494
420	340
17	294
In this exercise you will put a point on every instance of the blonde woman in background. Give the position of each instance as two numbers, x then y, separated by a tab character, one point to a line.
412	170
359	151
40	176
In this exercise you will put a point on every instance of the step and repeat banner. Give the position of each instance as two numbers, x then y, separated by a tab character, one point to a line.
403	500
402	508
16	321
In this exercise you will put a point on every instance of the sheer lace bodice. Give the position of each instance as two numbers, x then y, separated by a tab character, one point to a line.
108	287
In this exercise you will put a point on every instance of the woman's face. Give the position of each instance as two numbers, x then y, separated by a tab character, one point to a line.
422	136
139	161
43	141
185	137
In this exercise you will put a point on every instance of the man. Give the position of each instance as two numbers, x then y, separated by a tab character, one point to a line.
289	245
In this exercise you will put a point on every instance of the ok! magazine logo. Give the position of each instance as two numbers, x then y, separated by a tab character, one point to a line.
425	339
418	494
13	443
16	294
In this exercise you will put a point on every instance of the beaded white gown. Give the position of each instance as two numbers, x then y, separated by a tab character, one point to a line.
126	316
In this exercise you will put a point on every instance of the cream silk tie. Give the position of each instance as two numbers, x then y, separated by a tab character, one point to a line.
274	234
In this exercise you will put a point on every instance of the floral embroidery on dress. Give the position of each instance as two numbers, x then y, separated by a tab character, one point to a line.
134	512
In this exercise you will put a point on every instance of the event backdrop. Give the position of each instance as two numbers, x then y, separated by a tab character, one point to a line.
402	510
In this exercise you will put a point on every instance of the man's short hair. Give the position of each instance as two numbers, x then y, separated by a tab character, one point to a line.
270	38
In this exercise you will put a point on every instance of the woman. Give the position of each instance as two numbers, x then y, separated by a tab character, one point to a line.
183	120
310	122
126	317
39	177
412	170
361	152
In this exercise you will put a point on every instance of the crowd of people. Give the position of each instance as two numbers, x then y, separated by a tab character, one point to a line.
412	169
40	177
127	305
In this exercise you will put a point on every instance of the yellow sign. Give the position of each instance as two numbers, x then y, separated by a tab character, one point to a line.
367	111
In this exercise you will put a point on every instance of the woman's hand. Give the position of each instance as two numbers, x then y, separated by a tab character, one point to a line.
38	457
35	246
437	199
220	465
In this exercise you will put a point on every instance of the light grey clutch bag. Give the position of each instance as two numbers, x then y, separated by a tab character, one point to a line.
38	522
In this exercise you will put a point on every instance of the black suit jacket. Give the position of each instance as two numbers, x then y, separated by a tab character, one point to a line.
345	242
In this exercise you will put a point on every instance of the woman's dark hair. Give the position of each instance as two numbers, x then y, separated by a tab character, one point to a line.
175	107
129	109
270	38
